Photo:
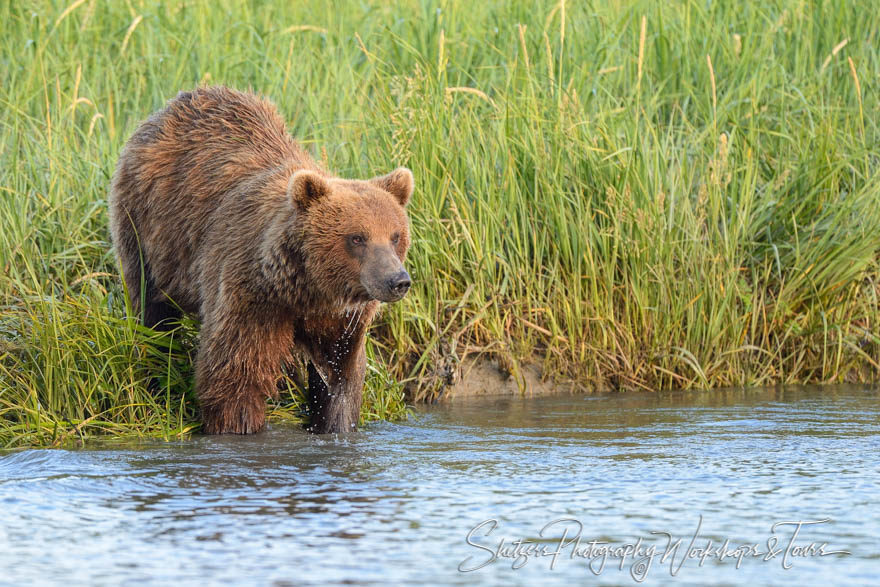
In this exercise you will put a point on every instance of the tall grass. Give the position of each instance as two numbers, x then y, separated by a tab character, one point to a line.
637	194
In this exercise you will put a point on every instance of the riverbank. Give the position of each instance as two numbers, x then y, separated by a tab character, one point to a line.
642	196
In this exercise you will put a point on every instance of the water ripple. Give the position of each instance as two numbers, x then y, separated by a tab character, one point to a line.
392	504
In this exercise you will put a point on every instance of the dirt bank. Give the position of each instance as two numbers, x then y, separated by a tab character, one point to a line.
483	377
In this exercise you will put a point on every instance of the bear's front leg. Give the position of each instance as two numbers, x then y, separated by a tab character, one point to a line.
336	385
236	371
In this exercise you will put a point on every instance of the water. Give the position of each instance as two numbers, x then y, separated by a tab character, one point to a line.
394	504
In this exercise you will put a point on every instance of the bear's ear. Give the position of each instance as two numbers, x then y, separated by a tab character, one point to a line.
306	187
399	183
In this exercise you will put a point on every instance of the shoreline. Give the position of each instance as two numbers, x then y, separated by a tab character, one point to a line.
483	377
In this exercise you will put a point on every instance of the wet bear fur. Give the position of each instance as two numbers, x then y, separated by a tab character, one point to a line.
217	212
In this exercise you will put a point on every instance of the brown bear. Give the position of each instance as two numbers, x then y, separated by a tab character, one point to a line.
216	211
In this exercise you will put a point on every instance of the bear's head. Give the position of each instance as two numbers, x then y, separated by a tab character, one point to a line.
354	234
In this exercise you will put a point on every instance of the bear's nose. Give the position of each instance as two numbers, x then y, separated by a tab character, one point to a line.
400	283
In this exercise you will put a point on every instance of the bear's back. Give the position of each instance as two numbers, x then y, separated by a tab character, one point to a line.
187	166
210	139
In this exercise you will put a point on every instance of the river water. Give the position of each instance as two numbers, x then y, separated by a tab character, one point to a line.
581	476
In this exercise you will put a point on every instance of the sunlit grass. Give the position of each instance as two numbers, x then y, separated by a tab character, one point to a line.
636	194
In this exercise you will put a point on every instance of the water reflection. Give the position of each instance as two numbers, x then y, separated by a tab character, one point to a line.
394	503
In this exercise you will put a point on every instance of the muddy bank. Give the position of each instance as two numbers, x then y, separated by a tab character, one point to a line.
478	377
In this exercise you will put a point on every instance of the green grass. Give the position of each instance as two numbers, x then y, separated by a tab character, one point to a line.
636	194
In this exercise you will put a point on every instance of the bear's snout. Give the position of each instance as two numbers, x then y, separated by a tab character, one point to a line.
383	276
389	289
399	284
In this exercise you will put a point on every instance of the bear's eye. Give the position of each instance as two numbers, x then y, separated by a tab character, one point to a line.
395	238
357	239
